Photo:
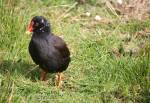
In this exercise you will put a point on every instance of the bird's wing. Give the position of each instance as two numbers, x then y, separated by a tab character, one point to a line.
61	46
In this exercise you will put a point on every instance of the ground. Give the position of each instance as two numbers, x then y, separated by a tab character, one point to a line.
110	57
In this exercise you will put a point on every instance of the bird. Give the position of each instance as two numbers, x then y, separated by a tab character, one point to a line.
48	51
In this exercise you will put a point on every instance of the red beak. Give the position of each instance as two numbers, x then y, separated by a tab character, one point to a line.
30	28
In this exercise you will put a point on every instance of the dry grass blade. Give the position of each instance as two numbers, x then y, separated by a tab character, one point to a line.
31	70
145	33
112	9
66	12
133	9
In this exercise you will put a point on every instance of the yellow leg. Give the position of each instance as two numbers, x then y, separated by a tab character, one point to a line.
58	80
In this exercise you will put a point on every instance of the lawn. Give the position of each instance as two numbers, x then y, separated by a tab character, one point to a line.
110	59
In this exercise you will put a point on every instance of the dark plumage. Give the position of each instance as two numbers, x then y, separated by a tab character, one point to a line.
48	51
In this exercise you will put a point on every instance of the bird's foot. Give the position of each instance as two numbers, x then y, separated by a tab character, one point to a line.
59	80
43	75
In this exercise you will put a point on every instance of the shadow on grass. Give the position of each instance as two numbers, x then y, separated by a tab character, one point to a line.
20	68
23	69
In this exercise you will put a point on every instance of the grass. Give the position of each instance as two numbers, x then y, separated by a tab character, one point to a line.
101	71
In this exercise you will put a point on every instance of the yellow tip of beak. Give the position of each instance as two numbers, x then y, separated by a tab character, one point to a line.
27	32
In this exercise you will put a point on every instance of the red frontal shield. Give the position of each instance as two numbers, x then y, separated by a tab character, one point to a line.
30	28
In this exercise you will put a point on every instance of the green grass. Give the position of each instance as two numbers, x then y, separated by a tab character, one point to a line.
96	73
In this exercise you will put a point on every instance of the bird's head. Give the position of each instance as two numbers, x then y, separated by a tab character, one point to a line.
39	24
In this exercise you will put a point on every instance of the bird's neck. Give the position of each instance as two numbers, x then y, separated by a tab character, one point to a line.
42	34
